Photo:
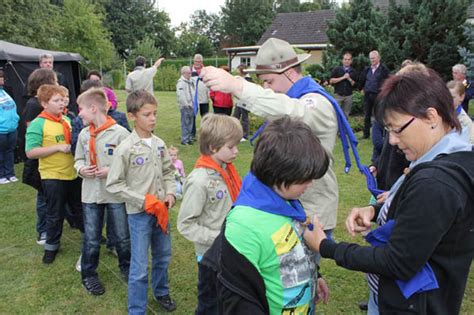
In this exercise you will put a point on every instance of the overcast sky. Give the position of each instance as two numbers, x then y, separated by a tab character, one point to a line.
180	10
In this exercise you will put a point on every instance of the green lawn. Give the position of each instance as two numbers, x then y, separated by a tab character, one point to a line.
29	287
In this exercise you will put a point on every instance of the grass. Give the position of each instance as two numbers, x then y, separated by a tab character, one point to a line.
29	287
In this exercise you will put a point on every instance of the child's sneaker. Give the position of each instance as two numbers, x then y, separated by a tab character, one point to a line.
78	264
93	285
166	302
13	179
49	256
4	181
41	239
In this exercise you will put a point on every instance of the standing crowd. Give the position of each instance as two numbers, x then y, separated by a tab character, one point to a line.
258	240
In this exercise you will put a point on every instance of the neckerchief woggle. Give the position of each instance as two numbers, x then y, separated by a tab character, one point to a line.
257	195
423	280
348	139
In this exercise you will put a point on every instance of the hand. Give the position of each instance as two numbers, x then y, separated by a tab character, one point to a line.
347	76
158	62
373	170
314	238
359	219
88	171
221	80
323	291
170	200
64	148
102	173
382	197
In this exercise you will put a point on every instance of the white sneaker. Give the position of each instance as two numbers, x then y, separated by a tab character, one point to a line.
78	264
13	179
41	239
4	181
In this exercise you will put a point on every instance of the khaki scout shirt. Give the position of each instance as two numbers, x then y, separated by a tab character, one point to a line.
93	189
206	202
138	169
316	111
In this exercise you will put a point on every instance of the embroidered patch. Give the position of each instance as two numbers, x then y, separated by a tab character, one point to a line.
213	183
161	152
110	145
110	151
219	194
139	160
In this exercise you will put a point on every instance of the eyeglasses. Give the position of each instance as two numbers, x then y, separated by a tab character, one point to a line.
399	130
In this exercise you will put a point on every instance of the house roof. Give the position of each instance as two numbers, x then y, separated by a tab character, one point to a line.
14	52
470	12
300	27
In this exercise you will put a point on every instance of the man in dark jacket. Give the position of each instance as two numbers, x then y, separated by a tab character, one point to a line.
344	79
371	80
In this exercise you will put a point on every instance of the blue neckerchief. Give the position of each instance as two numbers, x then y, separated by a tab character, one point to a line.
259	196
195	101
459	109
348	139
424	280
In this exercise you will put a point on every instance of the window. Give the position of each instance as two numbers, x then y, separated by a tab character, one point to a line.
245	61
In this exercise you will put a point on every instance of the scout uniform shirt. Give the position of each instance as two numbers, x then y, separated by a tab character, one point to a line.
93	189
44	133
138	169
316	111
204	207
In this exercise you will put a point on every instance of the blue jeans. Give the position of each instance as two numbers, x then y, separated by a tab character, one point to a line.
145	234
187	119
93	224
41	212
7	154
58	193
373	305
207	291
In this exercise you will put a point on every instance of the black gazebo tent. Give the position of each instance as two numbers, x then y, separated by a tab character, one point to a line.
19	61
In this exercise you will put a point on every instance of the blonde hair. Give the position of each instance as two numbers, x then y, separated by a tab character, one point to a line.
65	89
94	96
217	130
414	67
173	149
456	86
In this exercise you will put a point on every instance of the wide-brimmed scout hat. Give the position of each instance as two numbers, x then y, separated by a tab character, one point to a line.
276	56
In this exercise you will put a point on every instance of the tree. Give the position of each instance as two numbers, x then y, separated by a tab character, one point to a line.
145	48
30	23
207	25
430	31
82	31
356	28
130	21
190	42
244	21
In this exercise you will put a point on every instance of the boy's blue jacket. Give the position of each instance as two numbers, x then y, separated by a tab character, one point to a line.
8	116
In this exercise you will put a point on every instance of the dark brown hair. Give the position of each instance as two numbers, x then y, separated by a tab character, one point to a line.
412	93
39	77
287	153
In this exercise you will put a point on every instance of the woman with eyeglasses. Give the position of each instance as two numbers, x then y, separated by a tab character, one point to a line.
421	253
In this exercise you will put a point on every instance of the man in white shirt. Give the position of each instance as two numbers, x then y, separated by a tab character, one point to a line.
141	78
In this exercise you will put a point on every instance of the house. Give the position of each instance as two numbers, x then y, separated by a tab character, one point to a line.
304	30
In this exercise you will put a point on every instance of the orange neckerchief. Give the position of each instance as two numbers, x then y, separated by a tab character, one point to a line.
59	119
159	209
94	132
230	175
